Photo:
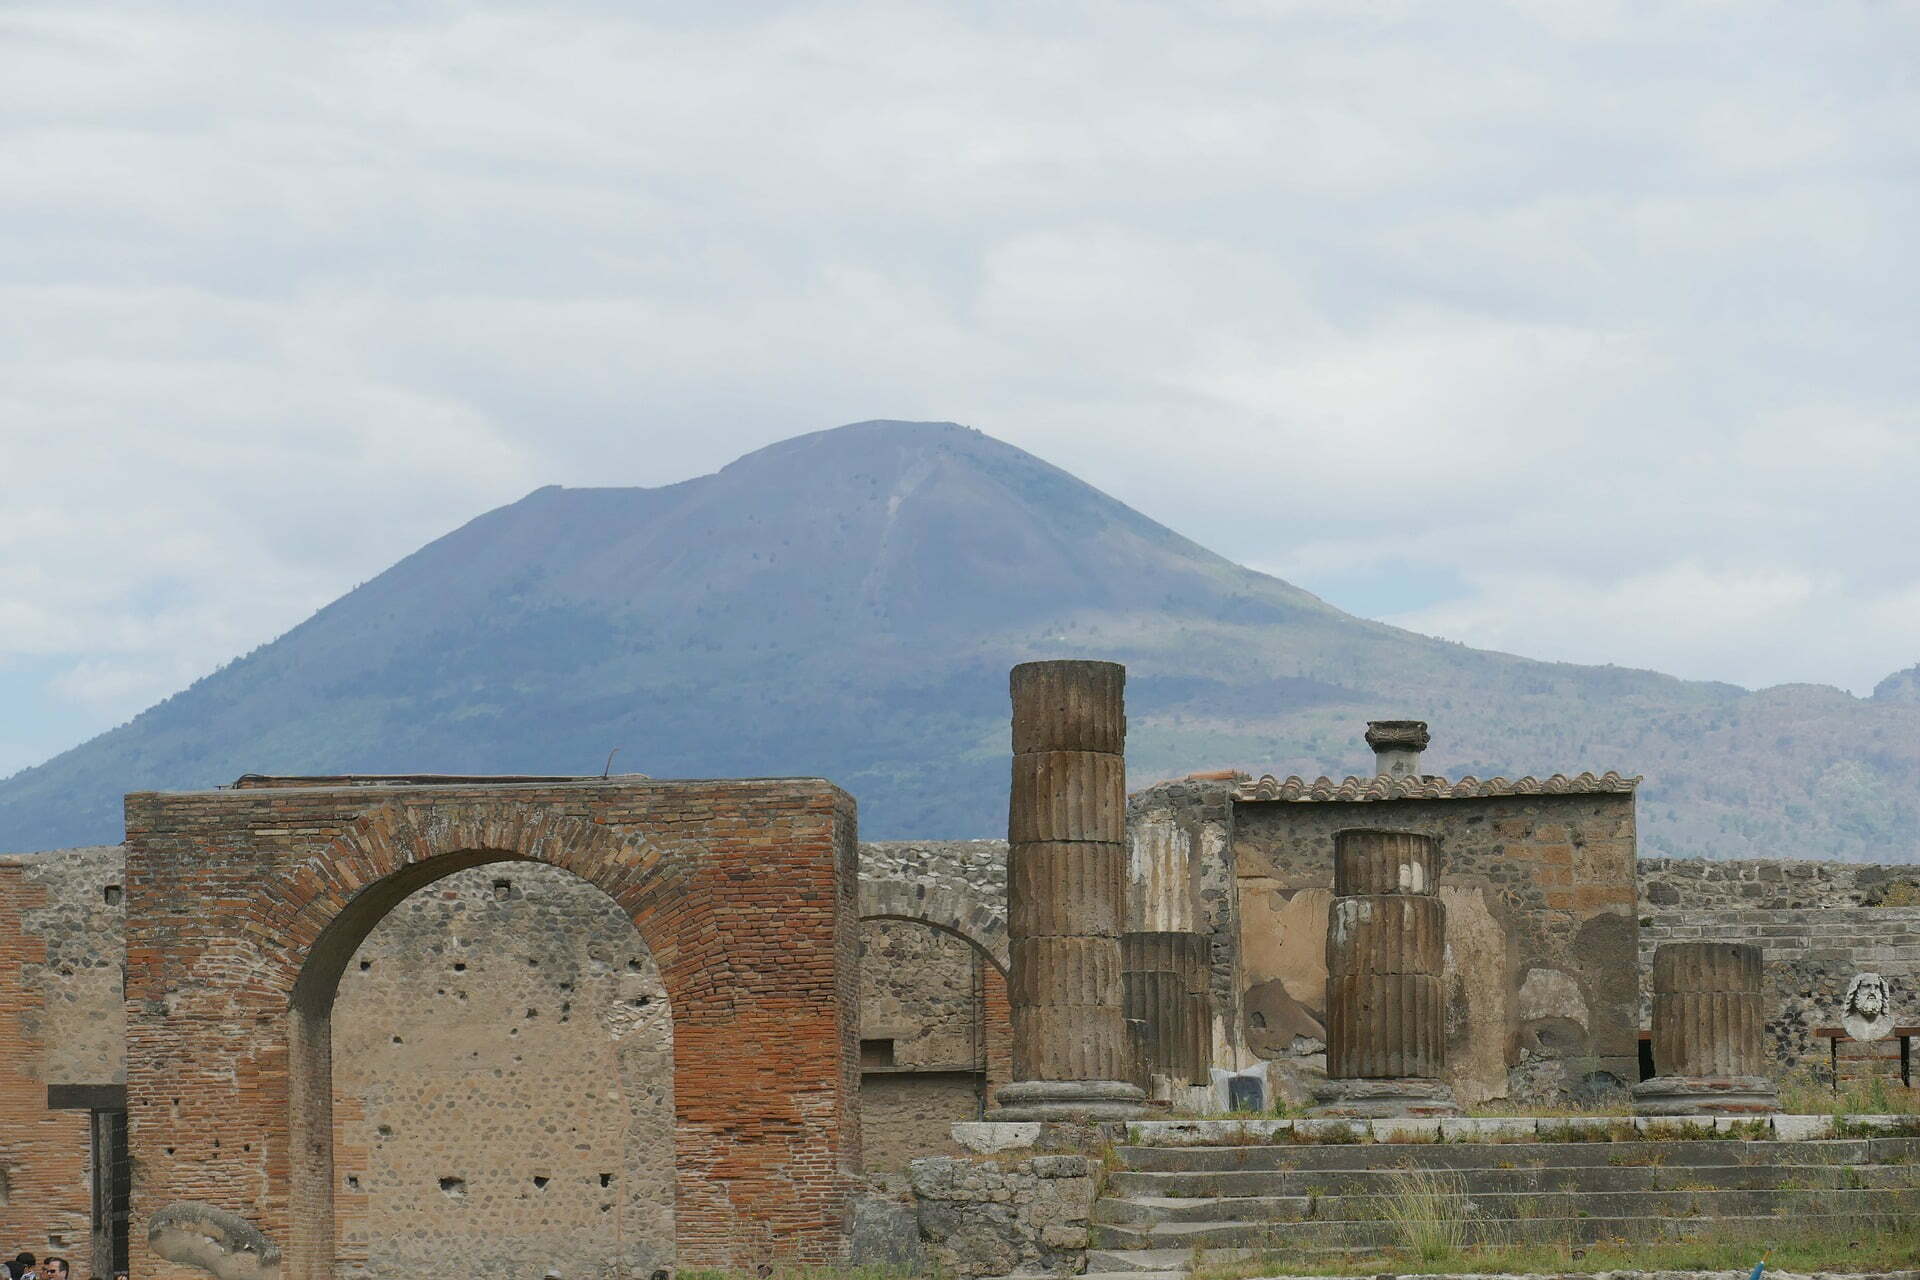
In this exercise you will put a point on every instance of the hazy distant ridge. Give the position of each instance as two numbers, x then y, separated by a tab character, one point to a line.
847	603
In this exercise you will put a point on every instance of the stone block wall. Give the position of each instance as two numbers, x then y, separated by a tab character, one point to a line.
1817	924
982	1216
956	885
935	1040
1706	884
920	1005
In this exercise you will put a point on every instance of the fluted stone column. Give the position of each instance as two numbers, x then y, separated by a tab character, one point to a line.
1386	1004
1066	894
1709	1033
1164	976
1165	961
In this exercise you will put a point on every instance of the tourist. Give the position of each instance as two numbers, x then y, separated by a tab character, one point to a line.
22	1266
54	1268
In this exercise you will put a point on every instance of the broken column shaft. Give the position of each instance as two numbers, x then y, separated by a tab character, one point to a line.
1066	893
1709	1033
1386	1005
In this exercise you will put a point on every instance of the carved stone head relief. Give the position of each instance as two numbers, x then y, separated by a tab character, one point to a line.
1868	1012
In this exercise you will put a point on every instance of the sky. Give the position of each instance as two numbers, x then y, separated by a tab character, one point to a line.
1578	330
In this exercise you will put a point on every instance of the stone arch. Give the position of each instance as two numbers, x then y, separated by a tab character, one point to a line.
962	915
502	1062
348	887
248	904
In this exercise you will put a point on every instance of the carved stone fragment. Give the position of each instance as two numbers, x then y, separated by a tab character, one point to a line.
1709	1033
220	1243
1868	1011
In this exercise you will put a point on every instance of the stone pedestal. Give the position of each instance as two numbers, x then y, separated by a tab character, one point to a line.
1386	1005
1066	894
1709	1033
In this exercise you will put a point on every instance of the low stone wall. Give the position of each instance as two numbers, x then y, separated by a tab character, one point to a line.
957	885
1701	884
1817	923
996	1216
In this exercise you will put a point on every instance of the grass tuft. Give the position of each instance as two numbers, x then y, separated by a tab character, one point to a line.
1430	1212
1869	1247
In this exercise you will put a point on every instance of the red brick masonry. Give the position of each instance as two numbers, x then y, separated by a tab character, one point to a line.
244	906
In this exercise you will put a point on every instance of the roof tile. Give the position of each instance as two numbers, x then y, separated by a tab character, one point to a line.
1429	787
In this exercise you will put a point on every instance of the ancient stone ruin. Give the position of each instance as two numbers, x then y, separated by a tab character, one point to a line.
1386	1008
378	1026
1709	1047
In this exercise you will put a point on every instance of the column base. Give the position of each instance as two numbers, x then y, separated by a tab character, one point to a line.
1069	1100
1705	1096
1383	1099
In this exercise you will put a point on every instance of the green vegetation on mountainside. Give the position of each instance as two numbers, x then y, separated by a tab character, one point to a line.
846	604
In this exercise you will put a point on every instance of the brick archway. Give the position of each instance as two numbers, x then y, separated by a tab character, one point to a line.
244	907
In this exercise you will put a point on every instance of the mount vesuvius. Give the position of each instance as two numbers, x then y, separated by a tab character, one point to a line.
847	603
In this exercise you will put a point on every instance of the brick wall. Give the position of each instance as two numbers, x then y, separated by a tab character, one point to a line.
503	1085
47	1206
744	892
427	990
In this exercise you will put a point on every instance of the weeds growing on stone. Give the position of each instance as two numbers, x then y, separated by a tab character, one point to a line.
1803	1093
802	1271
1869	1246
1618	1131
1429	1211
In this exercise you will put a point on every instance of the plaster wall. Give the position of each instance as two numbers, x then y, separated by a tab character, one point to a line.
1542	932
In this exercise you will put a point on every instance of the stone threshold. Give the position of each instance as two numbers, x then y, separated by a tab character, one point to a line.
990	1137
1615	1275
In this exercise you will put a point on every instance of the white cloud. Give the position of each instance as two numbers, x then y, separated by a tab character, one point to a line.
1580	303
1684	612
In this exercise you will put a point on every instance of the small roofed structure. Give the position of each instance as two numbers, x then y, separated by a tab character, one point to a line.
1538	882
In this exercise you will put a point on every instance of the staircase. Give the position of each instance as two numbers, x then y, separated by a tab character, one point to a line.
1161	1203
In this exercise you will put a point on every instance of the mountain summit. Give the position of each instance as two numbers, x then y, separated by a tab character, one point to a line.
847	604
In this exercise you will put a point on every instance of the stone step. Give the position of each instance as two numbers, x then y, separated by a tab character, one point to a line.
1144	1264
1509	1207
1496	1155
1309	1237
1147	1210
1260	1183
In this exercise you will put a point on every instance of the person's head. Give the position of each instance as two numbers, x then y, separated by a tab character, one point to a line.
55	1268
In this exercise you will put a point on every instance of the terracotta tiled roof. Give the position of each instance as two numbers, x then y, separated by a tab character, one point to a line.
1429	787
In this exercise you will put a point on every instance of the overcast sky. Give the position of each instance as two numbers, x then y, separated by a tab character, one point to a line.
1582	330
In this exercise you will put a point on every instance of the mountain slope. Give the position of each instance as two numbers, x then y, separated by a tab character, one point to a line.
847	603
